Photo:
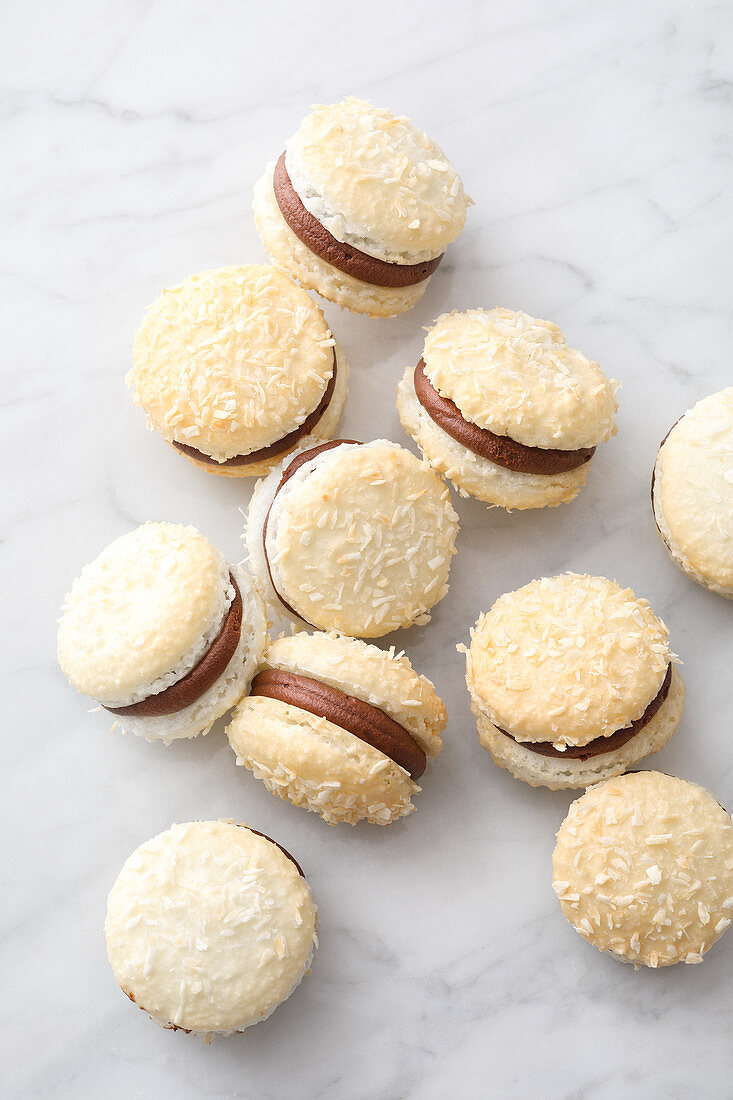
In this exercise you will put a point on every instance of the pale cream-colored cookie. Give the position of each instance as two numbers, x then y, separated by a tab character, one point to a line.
643	868
358	540
162	627
560	668
692	492
307	757
375	181
360	184
567	659
210	927
506	409
235	363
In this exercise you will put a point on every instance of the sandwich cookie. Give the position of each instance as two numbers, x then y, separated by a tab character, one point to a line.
692	492
352	537
504	408
210	926
237	367
360	206
162	631
338	726
572	681
643	869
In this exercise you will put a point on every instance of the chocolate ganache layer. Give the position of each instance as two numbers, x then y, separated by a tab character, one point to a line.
343	256
290	469
201	677
497	448
364	721
280	446
601	744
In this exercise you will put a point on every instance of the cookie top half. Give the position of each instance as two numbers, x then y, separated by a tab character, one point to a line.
567	659
231	361
643	868
359	539
210	926
143	612
516	376
377	182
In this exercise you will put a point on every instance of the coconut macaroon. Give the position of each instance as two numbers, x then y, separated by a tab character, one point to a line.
338	726
360	206
236	367
352	537
210	926
572	681
692	492
502	406
643	869
162	631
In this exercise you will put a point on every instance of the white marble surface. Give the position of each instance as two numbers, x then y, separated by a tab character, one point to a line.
596	141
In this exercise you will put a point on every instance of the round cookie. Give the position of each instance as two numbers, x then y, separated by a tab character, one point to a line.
692	492
572	681
338	726
352	537
210	926
643	869
360	206
162	631
502	406
235	368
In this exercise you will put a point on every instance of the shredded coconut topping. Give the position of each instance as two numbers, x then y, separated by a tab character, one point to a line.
360	539
210	927
231	360
652	904
567	659
375	181
516	376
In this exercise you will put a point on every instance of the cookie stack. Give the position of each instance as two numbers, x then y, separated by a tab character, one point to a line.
572	678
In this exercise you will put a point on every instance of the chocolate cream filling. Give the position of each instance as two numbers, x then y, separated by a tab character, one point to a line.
290	469
280	446
202	676
337	253
364	721
497	448
601	744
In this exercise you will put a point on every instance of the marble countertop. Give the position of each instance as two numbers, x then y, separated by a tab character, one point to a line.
596	141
